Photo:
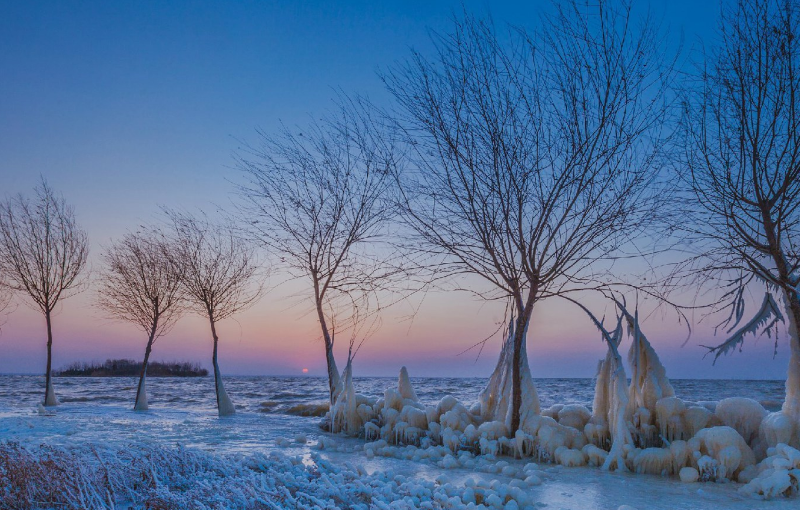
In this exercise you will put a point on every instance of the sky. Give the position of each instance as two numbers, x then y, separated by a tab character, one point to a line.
128	106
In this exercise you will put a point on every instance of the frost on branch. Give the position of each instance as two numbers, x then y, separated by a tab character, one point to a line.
767	317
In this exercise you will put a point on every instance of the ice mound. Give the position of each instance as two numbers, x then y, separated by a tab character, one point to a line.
742	414
777	475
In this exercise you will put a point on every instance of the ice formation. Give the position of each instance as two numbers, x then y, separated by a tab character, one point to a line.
141	396
495	400
616	417
641	426
50	397
743	414
224	405
727	453
689	475
146	476
334	379
649	384
791	405
344	413
404	386
608	425
778	428
777	475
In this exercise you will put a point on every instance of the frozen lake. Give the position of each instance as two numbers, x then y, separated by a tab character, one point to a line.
98	411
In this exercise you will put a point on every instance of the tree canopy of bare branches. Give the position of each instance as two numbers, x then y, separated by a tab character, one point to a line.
219	273
319	201
43	252
536	154
139	284
742	167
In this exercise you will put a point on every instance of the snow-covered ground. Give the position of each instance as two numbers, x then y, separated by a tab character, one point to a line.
286	459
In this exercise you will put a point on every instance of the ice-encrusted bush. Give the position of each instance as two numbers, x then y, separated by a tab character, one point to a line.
142	476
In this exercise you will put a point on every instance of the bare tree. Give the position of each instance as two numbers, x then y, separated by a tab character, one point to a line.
42	254
318	199
140	285
742	157
219	274
536	160
5	296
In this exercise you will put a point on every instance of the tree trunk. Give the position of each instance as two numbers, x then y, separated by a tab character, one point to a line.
49	393
141	393
791	405
497	398
224	405
520	334
334	381
516	373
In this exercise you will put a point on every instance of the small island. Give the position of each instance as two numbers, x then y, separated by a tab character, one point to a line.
131	368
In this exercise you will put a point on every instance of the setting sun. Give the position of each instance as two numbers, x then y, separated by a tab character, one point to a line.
305	370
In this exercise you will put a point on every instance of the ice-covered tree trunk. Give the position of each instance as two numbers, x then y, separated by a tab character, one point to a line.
224	405
334	381
404	386
141	393
49	393
616	414
599	433
344	412
497	399
649	381
791	405
789	282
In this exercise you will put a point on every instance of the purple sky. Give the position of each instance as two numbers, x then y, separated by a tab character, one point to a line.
124	107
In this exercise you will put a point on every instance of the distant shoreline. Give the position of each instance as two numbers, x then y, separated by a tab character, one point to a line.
131	368
394	377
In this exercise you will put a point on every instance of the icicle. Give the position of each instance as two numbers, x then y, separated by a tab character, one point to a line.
649	382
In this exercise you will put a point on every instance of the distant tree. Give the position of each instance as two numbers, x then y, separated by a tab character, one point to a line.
139	284
42	254
318	199
742	169
534	160
219	274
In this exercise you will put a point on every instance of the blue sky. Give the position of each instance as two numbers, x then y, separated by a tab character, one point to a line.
126	106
